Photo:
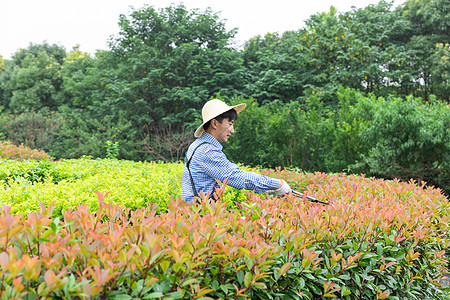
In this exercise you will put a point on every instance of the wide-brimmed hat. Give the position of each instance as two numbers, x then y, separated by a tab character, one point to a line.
214	108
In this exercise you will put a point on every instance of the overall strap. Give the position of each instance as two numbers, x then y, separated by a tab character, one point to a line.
187	162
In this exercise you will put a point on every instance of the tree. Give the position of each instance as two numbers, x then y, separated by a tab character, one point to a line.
275	67
33	80
163	65
426	34
376	49
440	71
5	71
335	49
75	67
56	51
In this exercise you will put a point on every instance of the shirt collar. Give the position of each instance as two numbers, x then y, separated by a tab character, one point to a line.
206	137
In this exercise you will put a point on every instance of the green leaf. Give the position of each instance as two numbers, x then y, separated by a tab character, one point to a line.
175	295
247	279
276	275
189	281
153	295
380	250
400	256
215	284
41	240
121	297
240	277
301	283
204	292
344	276
245	250
260	285
226	287
309	276
285	268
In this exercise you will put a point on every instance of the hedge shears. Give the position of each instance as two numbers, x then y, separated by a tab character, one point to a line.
309	198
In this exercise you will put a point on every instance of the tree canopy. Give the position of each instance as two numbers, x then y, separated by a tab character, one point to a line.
145	92
165	63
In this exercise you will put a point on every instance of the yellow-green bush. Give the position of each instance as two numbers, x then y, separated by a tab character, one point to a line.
70	183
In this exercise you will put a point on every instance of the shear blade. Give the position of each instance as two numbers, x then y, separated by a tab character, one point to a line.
309	198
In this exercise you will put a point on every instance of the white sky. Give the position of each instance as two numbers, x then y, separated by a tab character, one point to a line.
90	23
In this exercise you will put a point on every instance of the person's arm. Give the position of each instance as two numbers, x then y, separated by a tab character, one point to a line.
216	165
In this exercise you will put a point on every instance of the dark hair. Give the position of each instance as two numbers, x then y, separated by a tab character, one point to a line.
231	115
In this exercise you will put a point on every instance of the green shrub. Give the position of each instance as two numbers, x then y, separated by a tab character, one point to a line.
251	134
346	144
70	183
35	130
70	133
83	135
388	138
405	138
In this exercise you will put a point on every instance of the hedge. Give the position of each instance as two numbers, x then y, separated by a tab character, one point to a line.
69	183
379	239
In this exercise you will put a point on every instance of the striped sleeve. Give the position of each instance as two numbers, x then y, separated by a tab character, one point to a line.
217	166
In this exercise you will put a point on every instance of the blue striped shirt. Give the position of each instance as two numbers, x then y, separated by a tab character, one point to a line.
210	163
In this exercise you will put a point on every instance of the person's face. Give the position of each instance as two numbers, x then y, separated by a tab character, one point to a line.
224	129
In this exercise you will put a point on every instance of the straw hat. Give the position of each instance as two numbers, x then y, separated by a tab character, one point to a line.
214	108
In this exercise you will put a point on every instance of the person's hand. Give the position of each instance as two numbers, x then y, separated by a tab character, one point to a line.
284	189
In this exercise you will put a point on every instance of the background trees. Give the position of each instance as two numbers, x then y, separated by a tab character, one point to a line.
376	49
165	64
33	80
144	94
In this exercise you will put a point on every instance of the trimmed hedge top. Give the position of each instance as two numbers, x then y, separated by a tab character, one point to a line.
378	239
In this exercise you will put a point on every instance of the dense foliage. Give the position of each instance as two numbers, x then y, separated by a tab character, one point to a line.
141	99
375	49
378	239
387	137
363	91
66	184
70	183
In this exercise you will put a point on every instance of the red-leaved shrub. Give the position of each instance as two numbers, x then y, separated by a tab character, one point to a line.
378	239
10	151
